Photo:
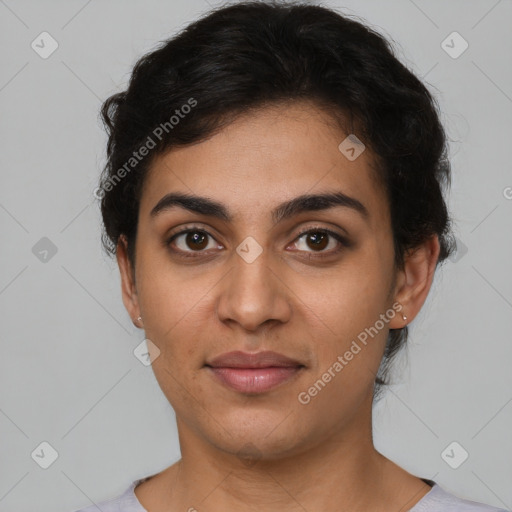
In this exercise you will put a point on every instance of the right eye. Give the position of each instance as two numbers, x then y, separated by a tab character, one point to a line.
189	241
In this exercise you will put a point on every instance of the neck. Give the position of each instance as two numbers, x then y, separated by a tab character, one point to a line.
329	471
335	471
341	472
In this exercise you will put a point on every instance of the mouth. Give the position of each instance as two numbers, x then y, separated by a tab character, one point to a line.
253	373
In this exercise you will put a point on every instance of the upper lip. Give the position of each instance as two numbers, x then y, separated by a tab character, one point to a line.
239	359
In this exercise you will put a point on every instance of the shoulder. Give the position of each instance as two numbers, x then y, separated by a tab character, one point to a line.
125	502
440	500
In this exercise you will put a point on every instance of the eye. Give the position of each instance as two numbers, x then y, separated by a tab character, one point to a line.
319	239
191	240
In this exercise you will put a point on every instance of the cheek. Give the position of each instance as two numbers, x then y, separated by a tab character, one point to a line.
347	300
343	316
177	307
174	306
348	347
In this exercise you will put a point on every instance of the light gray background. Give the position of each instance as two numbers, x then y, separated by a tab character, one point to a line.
68	374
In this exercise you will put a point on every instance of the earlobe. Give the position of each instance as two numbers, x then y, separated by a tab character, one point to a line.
415	280
128	288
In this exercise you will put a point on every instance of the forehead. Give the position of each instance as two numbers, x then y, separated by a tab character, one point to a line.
264	158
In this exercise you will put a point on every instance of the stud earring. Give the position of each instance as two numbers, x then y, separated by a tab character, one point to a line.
139	319
404	317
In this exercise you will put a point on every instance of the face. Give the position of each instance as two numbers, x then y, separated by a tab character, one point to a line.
252	281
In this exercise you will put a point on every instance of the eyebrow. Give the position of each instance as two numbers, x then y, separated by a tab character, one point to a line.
300	204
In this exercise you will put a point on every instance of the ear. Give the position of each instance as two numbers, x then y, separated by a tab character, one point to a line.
414	282
129	291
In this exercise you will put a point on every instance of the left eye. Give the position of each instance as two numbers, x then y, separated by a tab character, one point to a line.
318	239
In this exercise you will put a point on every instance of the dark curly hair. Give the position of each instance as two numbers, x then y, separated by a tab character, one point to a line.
251	54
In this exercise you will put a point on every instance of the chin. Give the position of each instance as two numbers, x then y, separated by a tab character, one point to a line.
255	439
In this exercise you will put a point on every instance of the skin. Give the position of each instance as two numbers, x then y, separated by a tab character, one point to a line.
318	456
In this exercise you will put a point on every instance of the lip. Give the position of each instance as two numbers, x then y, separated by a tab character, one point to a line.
254	380
264	359
253	373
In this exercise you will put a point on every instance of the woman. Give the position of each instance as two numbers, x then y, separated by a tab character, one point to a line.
273	195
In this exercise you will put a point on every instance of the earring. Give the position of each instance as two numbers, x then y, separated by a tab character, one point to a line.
404	317
139	319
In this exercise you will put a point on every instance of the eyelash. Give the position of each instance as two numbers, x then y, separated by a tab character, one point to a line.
344	243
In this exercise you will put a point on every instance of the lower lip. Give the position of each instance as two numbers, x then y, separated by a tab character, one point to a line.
254	380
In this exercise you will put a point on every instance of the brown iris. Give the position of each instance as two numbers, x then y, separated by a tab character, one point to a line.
319	239
196	240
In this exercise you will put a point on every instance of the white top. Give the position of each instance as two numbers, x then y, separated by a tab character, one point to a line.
436	500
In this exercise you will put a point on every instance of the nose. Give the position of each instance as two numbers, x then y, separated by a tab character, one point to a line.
253	293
